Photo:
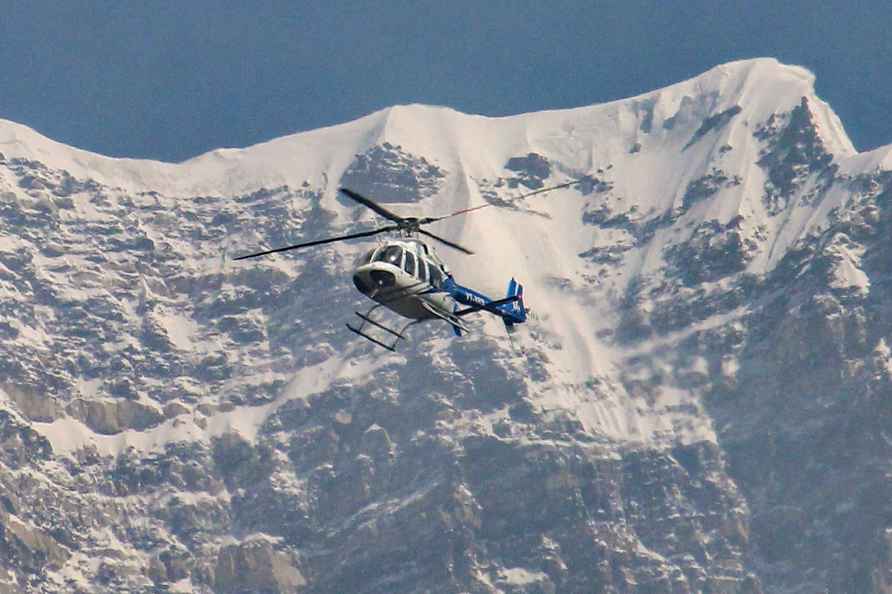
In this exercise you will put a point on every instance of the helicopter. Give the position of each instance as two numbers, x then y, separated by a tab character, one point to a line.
406	276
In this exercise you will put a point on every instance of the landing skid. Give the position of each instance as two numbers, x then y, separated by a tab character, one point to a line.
367	320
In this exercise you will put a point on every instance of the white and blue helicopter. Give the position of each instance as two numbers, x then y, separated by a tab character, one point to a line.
406	276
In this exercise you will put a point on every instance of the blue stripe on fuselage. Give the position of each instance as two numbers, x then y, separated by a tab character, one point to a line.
464	295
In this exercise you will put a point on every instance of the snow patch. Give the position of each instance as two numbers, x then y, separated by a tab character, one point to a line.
846	272
518	576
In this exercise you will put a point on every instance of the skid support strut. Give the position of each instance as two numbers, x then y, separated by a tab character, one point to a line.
368	321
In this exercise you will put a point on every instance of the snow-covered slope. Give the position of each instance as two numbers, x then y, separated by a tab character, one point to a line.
652	152
134	349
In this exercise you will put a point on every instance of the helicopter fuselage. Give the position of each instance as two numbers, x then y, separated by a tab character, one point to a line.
406	277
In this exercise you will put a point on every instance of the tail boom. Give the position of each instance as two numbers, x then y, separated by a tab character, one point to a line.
511	309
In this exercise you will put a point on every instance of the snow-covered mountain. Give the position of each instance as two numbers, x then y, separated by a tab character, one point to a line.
699	402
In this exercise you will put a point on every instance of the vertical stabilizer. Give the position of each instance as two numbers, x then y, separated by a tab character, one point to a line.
515	311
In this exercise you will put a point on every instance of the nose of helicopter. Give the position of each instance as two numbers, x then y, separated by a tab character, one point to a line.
370	280
360	283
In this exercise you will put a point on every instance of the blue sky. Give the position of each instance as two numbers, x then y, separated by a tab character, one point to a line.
172	79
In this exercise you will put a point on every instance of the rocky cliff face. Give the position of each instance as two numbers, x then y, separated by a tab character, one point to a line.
699	402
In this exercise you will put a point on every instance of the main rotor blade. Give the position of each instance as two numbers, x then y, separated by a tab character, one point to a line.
521	197
373	205
447	242
321	241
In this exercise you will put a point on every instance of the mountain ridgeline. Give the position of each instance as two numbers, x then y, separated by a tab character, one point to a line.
699	402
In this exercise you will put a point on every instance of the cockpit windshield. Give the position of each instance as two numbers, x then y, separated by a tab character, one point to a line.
392	254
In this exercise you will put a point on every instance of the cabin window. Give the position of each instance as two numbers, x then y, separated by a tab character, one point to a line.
392	254
422	270
409	263
436	275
